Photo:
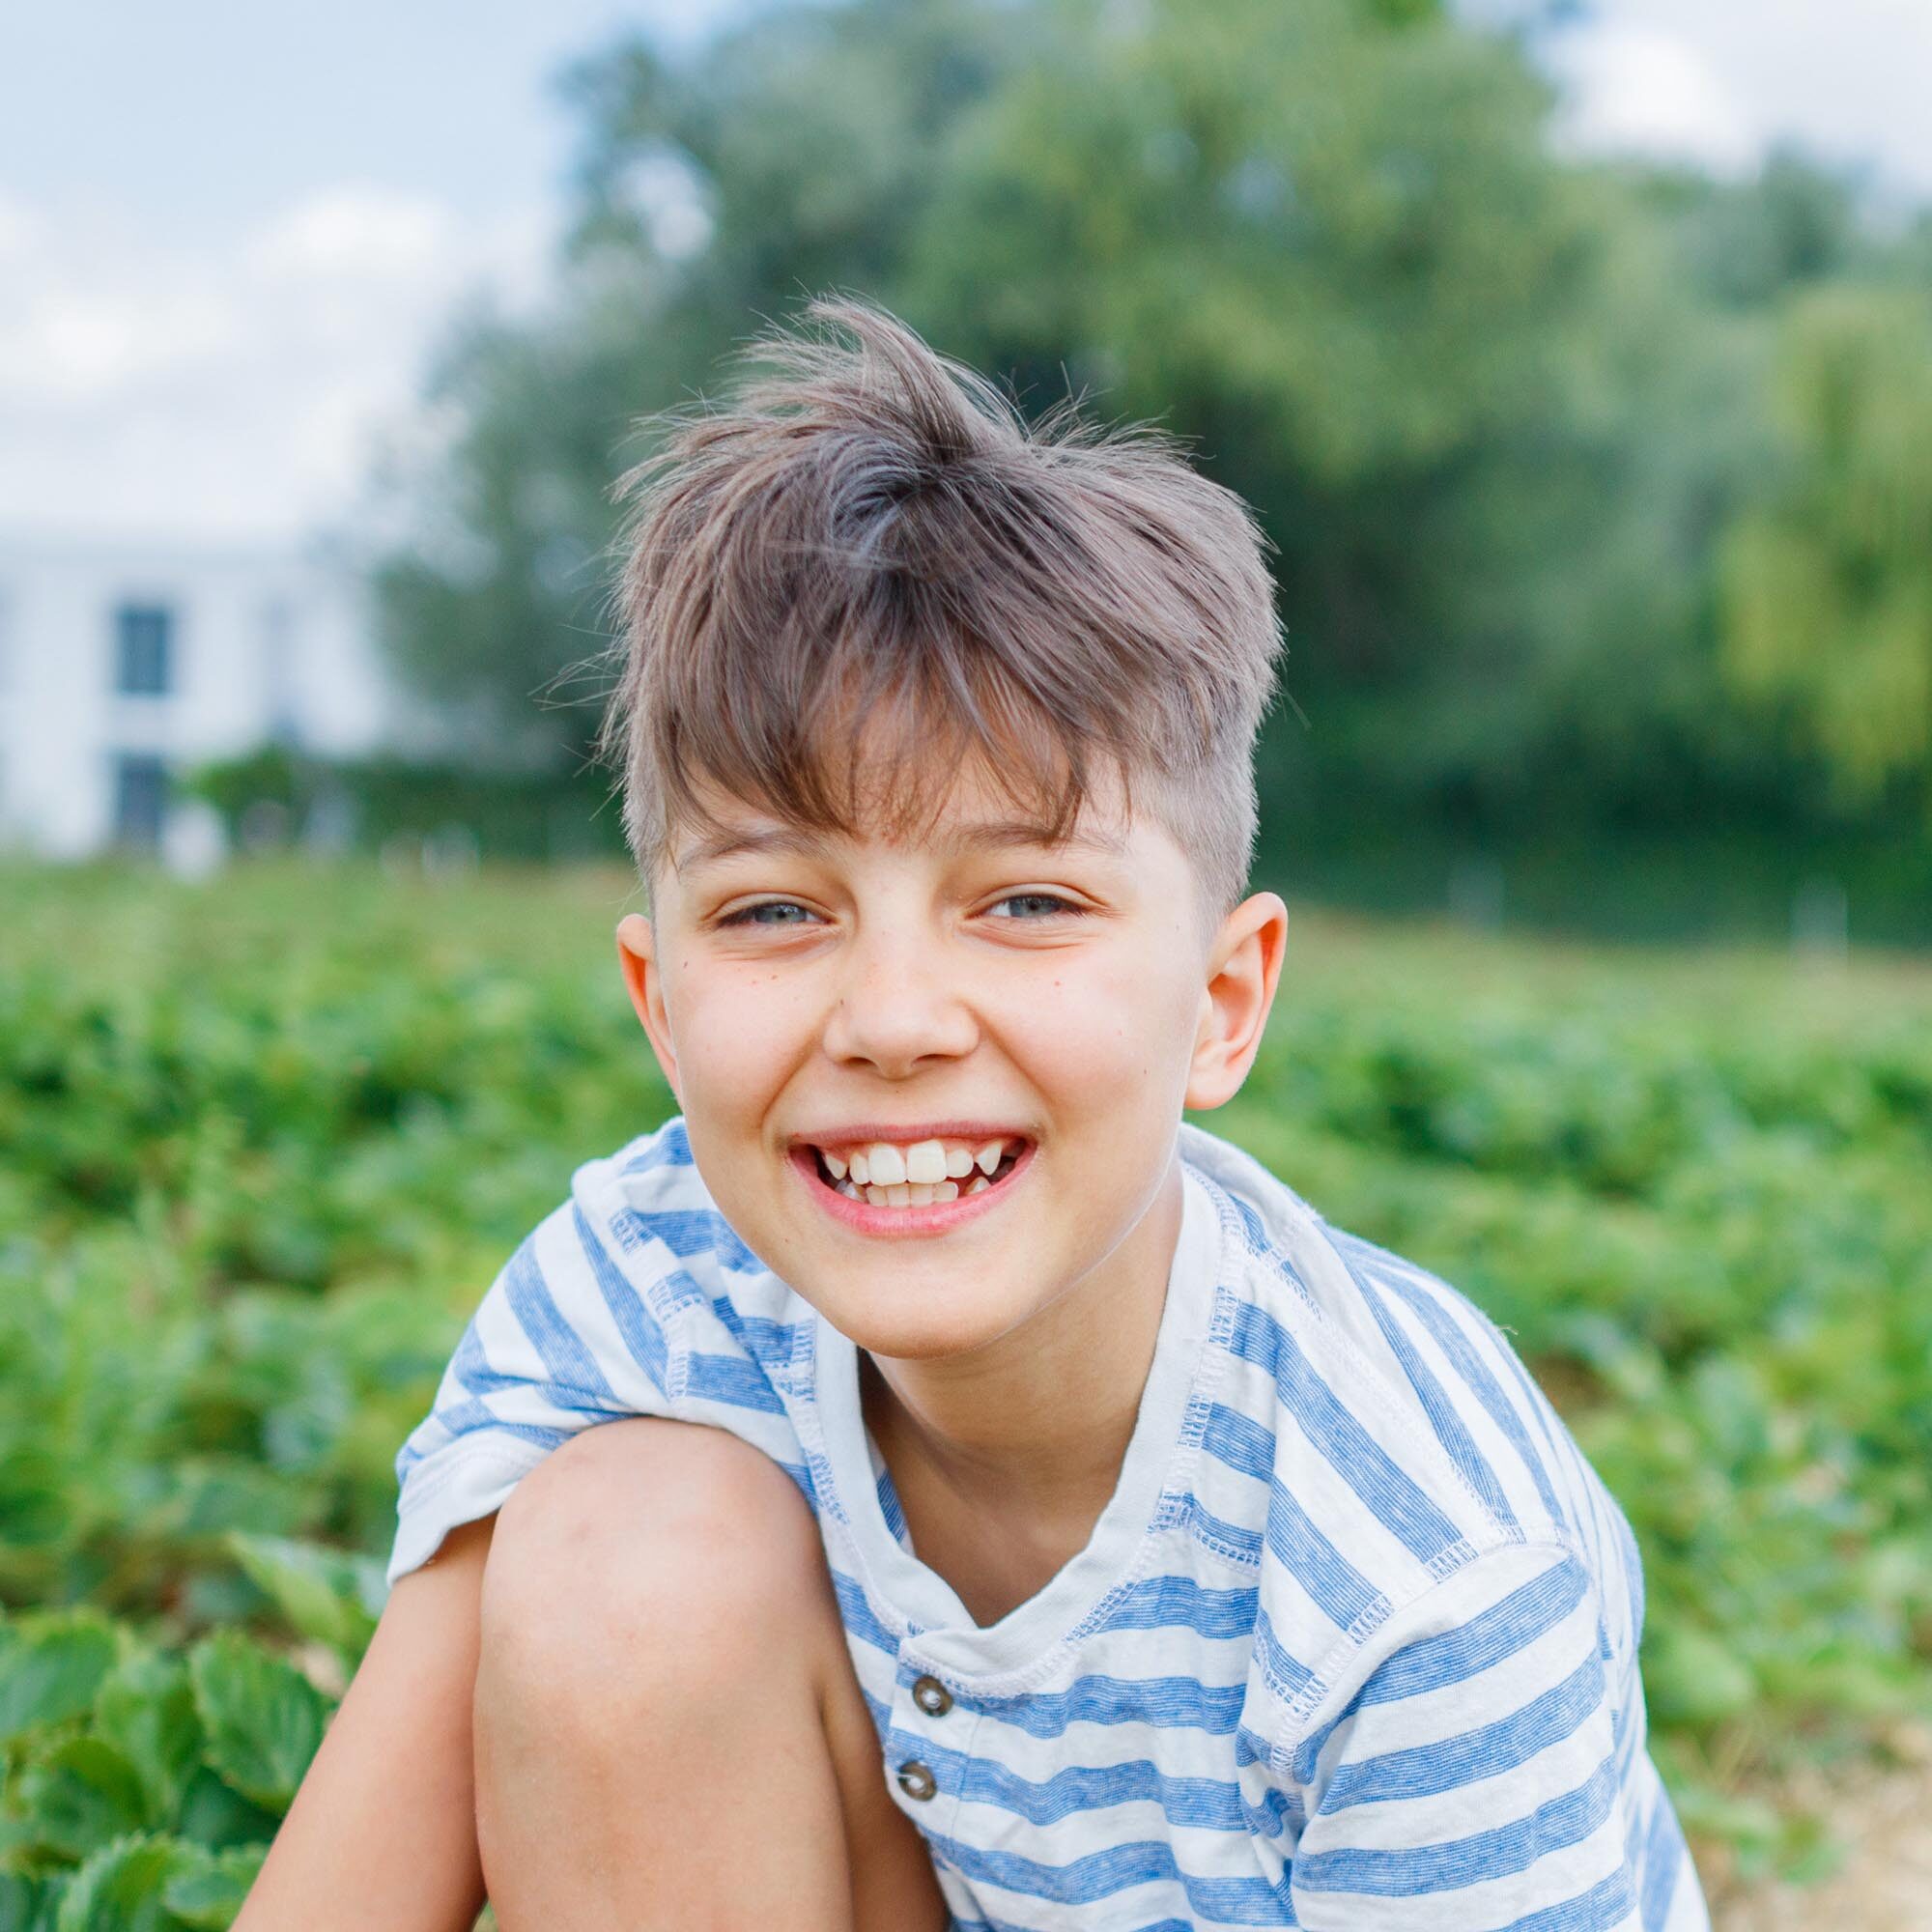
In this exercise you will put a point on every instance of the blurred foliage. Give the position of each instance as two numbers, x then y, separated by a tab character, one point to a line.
277	796
1829	577
268	1139
1511	420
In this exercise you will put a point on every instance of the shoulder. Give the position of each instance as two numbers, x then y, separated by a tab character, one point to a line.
1384	1342
1496	1425
648	1198
634	1296
1404	1439
653	1237
647	1210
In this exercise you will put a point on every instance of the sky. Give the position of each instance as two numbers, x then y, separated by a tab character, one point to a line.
231	235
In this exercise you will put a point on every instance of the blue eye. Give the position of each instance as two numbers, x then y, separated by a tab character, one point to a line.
1052	905
1036	905
768	912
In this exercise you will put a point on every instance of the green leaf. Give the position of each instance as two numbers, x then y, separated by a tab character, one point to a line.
50	1668
80	1795
33	1502
120	1889
27	1904
1692	1678
217	1815
324	1594
145	1709
1750	1824
210	1894
261	1717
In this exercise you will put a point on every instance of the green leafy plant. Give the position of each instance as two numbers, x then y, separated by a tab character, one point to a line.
139	1785
270	1137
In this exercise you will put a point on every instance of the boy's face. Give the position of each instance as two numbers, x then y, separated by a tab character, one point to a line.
824	1006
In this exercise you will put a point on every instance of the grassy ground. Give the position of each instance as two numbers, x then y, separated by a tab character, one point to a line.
270	1137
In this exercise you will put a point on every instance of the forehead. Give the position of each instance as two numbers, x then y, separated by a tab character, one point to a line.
974	812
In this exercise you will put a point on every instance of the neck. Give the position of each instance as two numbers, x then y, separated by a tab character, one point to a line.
1039	1420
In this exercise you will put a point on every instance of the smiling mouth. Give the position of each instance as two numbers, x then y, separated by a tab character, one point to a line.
919	1174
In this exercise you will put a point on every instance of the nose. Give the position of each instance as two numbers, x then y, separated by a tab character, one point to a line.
897	1007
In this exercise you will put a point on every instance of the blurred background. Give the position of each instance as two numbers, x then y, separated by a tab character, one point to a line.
1578	361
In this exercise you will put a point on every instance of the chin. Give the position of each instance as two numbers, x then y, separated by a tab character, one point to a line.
902	1325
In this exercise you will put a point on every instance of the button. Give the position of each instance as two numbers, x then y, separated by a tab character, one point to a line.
931	1696
916	1780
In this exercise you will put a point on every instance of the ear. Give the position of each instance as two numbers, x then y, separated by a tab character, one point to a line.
643	980
1244	968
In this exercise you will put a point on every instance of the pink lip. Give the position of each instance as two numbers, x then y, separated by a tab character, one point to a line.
903	1224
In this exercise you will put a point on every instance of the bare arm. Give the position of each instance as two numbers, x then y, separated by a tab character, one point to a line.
383	1832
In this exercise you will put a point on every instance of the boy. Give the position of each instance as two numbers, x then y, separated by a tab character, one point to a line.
1011	1507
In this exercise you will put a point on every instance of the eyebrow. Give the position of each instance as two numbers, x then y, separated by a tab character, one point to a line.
985	834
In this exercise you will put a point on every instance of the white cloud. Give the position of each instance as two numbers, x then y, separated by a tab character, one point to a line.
73	338
1637	89
159	378
668	197
149	382
18	229
354	234
1718	80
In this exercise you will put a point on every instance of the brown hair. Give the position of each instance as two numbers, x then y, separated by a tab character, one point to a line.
868	534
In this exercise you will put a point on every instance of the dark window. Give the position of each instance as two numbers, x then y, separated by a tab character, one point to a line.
140	799
144	635
278	671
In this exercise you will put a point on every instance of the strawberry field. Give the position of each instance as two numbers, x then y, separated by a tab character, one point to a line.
266	1141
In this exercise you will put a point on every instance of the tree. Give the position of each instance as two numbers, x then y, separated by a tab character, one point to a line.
1477	414
1828	580
1494	407
807	145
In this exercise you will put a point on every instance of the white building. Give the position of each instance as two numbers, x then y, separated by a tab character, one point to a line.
123	664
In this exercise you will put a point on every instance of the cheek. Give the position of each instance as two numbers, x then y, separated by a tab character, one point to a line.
736	1036
1109	1030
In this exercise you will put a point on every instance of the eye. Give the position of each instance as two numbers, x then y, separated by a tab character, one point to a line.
1034	905
768	913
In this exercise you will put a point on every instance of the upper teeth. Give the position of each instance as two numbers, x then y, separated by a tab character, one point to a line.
922	1163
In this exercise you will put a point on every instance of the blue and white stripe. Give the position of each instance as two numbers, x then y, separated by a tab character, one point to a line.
1353	1647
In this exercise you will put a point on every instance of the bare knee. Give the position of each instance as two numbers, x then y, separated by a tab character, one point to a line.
647	1561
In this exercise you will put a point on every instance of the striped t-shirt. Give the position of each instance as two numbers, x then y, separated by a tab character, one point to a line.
1353	1646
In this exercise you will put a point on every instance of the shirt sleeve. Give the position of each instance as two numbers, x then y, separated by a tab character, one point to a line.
562	1341
1469	1772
